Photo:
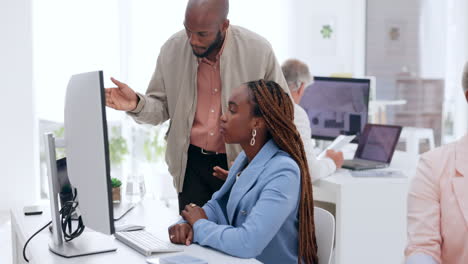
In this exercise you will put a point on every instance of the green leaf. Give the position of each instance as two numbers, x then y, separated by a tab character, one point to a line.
116	183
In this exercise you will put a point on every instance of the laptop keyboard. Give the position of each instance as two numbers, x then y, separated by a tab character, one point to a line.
359	163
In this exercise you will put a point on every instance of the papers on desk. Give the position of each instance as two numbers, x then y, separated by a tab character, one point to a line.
337	144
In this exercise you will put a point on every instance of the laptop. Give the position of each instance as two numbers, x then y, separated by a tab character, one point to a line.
376	147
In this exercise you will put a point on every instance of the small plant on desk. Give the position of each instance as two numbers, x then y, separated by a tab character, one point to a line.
116	193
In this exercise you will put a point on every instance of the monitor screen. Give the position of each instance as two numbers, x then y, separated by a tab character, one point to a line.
378	142
337	106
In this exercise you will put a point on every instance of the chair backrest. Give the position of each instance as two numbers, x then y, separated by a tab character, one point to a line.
325	234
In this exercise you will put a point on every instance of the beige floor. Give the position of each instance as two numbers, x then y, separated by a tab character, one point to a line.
5	238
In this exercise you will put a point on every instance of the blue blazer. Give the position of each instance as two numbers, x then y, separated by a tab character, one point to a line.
257	215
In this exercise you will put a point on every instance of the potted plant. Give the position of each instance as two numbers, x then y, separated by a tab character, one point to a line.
116	193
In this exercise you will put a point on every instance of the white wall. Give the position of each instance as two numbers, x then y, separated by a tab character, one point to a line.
346	53
433	35
383	59
270	18
18	142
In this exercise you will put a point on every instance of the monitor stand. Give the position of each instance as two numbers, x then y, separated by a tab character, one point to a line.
89	242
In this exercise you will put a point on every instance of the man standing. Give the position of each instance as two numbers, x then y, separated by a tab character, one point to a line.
195	72
298	78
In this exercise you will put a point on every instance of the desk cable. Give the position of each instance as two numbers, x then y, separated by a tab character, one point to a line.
27	242
66	214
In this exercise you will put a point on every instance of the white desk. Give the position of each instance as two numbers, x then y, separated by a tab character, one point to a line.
151	214
370	214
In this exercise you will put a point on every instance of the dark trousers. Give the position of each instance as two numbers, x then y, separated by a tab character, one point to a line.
199	182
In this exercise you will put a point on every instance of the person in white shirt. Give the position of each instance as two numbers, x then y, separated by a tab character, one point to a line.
298	78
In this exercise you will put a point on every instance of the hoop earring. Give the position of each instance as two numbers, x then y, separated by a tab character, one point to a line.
254	133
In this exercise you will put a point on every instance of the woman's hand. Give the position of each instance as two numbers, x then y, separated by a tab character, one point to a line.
181	234
220	173
192	213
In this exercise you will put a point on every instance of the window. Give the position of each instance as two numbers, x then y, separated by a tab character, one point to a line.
123	38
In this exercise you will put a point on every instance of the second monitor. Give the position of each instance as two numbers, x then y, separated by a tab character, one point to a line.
337	106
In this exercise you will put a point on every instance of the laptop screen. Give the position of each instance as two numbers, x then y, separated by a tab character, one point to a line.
378	142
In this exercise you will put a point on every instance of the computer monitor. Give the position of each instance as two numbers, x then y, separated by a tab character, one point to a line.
88	167
337	106
87	149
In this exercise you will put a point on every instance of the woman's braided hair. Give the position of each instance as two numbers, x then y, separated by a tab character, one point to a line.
272	103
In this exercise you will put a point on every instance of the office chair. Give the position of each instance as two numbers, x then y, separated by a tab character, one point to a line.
325	234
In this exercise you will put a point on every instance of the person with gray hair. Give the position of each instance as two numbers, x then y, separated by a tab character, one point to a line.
298	77
437	211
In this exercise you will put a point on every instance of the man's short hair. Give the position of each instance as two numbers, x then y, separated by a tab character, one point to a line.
296	72
465	78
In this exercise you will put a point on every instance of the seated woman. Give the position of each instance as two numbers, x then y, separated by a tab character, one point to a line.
264	210
438	204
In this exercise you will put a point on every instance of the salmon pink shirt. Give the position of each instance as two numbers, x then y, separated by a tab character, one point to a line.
206	124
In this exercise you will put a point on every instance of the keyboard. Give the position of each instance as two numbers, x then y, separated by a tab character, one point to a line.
145	242
379	173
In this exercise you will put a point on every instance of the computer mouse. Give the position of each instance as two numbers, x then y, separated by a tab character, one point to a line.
129	228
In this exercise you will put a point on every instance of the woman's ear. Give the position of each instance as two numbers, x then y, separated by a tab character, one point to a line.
259	123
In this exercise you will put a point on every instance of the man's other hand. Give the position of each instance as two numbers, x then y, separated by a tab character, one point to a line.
220	173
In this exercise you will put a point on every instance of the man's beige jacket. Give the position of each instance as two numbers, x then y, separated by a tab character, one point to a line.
172	92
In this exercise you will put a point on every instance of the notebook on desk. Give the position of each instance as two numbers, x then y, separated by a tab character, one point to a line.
376	147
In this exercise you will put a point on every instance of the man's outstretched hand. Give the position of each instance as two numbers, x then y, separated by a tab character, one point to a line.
121	97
